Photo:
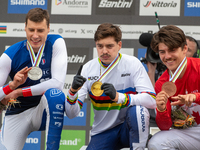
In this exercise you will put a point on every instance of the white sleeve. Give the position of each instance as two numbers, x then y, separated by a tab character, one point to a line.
58	69
73	104
146	93
5	66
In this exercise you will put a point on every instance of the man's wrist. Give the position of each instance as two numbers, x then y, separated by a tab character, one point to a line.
12	85
116	97
72	91
7	89
160	110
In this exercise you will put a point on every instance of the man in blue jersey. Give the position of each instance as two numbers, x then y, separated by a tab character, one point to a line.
41	99
120	92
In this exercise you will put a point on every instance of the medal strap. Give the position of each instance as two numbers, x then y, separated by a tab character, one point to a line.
110	67
178	71
35	60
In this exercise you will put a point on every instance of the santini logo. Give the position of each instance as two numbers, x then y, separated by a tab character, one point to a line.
126	74
160	4
115	4
76	59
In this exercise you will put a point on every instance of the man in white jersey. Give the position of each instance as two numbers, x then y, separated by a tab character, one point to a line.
120	92
41	98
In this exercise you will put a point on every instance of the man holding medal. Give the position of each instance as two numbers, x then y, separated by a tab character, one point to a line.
40	97
178	86
120	92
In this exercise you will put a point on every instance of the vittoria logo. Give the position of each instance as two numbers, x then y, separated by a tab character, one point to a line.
160	4
162	7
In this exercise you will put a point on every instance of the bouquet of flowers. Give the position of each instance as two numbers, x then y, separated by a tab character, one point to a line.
11	102
181	119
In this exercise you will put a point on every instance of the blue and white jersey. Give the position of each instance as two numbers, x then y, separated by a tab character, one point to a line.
53	64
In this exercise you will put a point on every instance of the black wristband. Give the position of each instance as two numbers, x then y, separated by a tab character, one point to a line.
72	92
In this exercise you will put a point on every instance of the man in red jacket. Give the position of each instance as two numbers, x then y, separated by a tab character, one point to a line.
179	85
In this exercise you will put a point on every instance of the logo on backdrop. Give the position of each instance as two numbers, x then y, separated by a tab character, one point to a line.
192	8
71	7
76	57
114	7
3	29
80	120
23	6
33	141
162	7
72	139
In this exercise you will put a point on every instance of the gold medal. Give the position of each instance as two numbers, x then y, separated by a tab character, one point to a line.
96	88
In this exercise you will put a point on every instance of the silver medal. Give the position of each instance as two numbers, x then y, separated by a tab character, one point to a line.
35	73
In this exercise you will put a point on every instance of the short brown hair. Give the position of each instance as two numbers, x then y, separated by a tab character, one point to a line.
38	15
106	30
171	36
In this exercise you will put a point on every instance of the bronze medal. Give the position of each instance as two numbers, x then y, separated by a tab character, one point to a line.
169	88
96	88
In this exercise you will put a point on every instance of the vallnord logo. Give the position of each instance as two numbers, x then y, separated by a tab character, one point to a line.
160	4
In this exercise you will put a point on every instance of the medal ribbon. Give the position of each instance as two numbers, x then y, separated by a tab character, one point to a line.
110	67
35	60
178	71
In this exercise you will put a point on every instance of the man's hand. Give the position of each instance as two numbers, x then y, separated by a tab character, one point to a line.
78	81
187	99
110	91
161	100
13	95
19	78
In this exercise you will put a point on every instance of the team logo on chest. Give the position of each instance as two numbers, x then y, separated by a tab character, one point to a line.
93	78
43	61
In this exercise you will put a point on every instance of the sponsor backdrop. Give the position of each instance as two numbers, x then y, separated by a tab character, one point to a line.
76	21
